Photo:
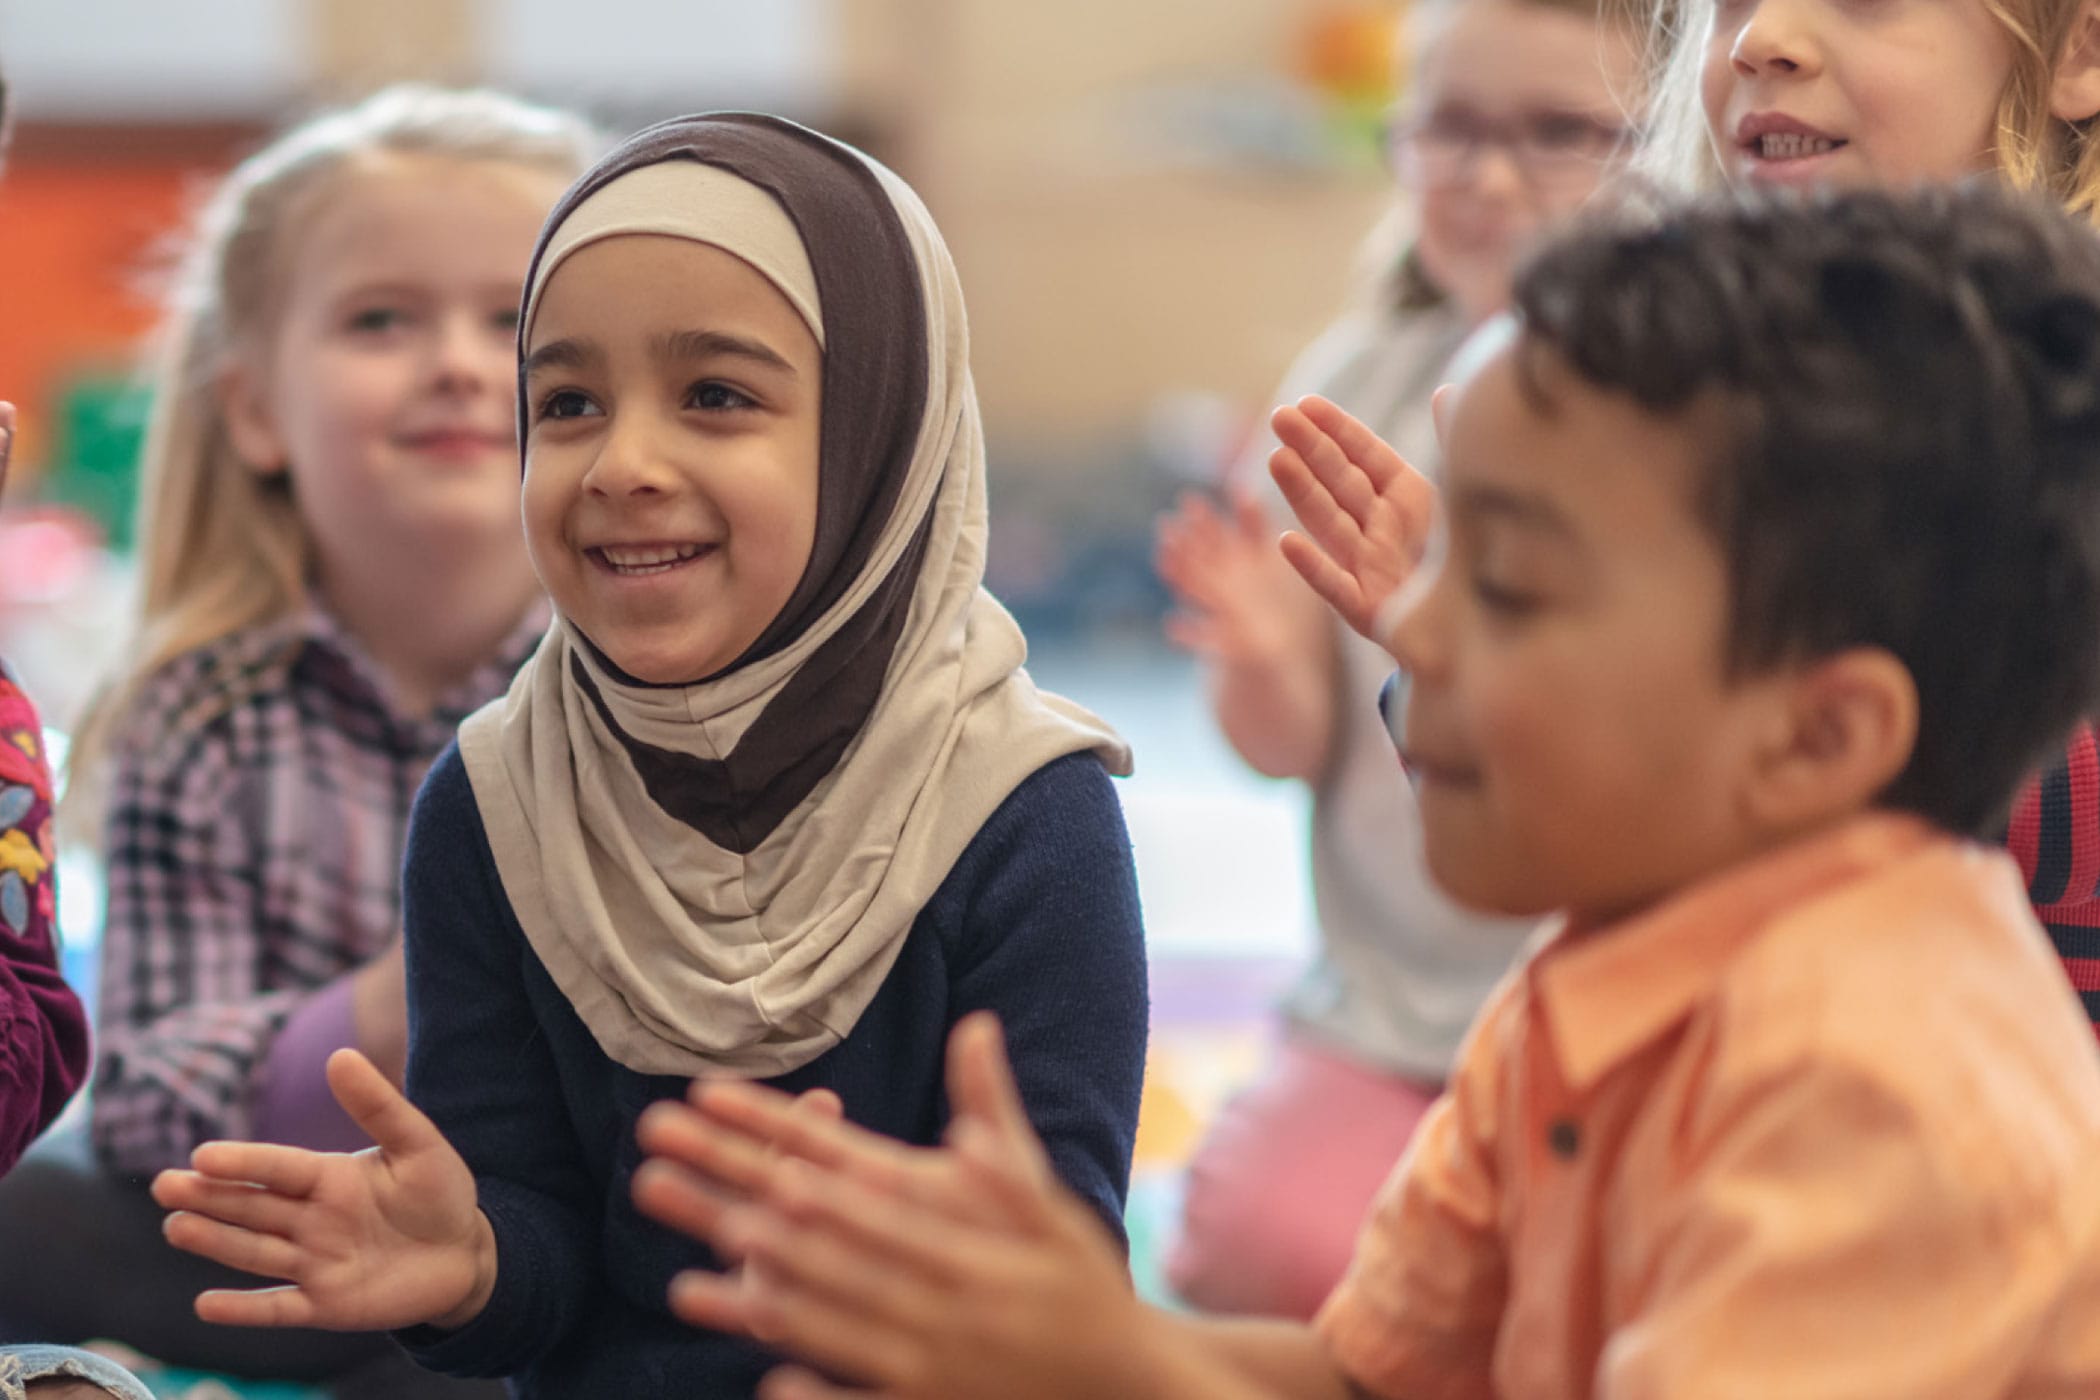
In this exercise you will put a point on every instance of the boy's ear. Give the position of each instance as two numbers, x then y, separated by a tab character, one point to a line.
249	426
1842	731
2074	88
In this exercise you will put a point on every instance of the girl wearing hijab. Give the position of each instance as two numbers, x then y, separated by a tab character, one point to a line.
774	798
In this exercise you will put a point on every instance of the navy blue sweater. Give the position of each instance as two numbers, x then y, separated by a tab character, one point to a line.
1038	921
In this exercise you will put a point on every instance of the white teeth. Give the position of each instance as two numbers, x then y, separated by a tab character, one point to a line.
1791	145
647	561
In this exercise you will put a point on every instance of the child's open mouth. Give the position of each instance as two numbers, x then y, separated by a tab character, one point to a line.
640	561
1792	145
1779	146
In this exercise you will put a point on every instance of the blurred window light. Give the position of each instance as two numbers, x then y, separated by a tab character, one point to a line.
111	60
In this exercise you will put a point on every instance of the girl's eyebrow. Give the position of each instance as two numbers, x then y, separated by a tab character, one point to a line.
706	345
674	347
572	353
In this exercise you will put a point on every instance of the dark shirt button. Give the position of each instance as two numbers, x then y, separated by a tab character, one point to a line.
1563	1138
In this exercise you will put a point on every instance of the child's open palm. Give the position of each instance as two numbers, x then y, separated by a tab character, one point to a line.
1232	589
366	1241
1363	511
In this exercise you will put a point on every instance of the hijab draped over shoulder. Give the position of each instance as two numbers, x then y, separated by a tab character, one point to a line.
719	875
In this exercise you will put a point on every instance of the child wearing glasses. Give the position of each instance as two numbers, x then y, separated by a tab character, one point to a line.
1515	113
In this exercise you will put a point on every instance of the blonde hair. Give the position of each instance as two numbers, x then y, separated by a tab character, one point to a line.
2035	149
222	547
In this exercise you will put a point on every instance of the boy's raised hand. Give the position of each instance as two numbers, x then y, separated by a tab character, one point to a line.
1363	511
368	1241
1227	579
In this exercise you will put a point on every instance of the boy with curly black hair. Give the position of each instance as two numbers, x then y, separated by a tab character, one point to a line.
1751	518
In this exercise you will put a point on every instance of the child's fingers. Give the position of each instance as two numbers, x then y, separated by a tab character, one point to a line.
268	1255
289	1171
1249	516
1328	579
234	1202
701	1298
821	1103
1351	488
677	1197
765	1116
1319	514
794	1383
838	1337
1194	633
1372	454
1035	1205
1026	1199
835	1234
981	1086
256	1307
376	1106
720	1155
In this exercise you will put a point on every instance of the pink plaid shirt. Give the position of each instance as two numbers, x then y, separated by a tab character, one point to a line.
258	811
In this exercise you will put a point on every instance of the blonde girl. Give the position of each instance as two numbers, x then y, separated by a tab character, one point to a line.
331	577
1516	114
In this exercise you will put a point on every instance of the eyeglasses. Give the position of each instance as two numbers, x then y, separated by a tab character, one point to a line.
1443	148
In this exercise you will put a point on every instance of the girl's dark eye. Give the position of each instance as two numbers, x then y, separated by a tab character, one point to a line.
566	403
716	397
378	319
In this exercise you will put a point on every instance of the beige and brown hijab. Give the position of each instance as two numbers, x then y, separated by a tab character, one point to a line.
719	875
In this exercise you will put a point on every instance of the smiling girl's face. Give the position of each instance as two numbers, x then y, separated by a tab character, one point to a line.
1835	92
672	398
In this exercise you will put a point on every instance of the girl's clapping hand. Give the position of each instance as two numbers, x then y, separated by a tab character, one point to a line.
367	1241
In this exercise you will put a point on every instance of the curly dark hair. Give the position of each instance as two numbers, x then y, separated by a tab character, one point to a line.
1908	388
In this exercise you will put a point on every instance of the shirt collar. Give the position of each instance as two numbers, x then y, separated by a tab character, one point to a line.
319	628
1608	992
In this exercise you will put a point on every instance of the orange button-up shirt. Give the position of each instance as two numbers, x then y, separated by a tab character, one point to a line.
1827	1125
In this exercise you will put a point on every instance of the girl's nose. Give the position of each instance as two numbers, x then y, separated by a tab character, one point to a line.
1773	41
465	358
628	464
1498	175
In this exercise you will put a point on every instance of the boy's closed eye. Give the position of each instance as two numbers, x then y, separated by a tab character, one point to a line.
1516	557
1505	600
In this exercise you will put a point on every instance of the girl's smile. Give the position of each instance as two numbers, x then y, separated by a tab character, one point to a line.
465	446
1773	148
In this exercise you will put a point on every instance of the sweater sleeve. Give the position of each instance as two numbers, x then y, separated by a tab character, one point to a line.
2054	834
43	1029
479	1066
1050	938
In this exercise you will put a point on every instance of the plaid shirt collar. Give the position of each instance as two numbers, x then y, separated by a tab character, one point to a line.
338	661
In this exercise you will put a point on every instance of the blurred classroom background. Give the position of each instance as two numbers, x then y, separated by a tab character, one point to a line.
1154	205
